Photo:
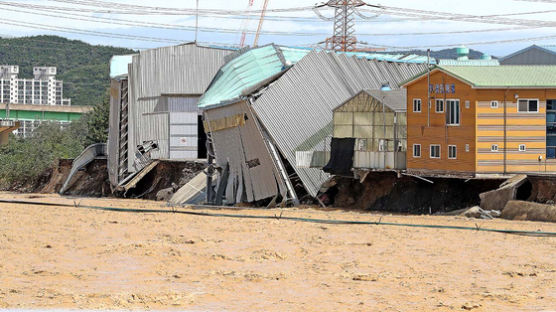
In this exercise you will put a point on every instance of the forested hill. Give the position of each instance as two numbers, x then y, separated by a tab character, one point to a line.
84	68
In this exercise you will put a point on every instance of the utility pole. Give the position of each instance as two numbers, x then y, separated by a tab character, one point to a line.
196	20
343	37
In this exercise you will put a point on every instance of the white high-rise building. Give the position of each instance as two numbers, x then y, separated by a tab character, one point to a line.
43	89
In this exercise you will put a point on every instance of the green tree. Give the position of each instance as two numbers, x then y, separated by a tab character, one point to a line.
97	122
24	159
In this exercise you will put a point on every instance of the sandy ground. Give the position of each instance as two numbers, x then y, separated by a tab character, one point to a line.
66	257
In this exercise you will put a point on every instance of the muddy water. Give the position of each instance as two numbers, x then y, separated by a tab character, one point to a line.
73	258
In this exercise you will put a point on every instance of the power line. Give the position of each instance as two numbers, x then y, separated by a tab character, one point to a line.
486	19
174	11
463	43
87	32
115	21
88	10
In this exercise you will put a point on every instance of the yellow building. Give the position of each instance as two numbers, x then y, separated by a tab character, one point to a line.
469	120
7	127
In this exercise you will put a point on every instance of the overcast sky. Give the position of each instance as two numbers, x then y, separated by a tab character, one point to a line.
383	24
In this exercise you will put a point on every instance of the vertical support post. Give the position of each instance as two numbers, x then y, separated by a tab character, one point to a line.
196	20
429	87
210	173
505	129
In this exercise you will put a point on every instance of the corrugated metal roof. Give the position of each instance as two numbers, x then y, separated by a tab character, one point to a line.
548	49
387	57
395	99
182	69
395	57
450	62
247	70
119	65
505	76
297	109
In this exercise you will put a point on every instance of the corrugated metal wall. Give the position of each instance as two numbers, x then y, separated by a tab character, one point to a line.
163	80
114	132
253	174
298	107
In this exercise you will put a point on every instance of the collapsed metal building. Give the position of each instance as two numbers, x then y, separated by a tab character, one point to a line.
153	107
297	109
260	106
251	169
257	138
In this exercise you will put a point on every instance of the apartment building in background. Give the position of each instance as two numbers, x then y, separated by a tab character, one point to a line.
42	89
473	120
32	101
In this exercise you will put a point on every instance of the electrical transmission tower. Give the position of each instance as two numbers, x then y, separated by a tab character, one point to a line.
343	38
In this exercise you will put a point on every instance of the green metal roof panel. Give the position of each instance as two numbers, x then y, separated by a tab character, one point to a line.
293	55
505	76
248	69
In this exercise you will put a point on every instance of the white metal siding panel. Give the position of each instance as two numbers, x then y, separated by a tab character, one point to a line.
183	142
183	130
183	134
184	154
183	118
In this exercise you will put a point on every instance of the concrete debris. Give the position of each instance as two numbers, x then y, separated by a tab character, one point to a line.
165	194
478	213
165	179
497	199
523	210
194	191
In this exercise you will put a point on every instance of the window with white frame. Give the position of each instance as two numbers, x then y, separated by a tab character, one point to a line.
493	104
439	106
453	117
494	148
452	152
416	150
528	106
417	105
435	151
522	148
